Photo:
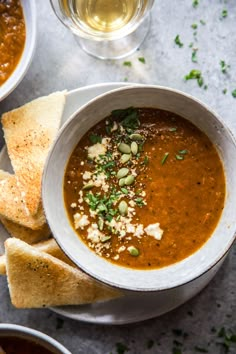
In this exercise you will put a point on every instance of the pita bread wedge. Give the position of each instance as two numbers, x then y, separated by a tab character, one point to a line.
12	206
36	279
24	233
49	246
3	265
29	132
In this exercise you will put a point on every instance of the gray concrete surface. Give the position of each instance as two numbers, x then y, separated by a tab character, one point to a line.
59	63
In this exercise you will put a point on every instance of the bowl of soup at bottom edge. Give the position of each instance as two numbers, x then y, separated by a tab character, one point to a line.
181	272
20	339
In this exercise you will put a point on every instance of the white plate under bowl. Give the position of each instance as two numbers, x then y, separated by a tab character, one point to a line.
133	307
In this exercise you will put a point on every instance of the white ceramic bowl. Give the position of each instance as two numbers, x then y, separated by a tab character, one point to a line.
192	267
16	331
29	10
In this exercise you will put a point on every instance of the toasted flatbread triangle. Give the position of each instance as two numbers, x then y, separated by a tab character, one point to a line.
24	233
29	132
49	246
36	279
12	206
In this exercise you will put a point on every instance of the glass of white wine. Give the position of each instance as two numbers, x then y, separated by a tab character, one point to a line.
106	29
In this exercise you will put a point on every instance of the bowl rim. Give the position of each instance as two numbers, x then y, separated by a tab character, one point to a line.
32	333
73	116
28	52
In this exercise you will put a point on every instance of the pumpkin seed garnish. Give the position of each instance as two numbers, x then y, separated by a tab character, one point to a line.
124	148
105	239
136	136
122	182
122	172
88	186
129	180
123	208
133	251
125	157
134	148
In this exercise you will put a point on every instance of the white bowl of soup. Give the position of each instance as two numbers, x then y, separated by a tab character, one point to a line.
18	38
17	339
139	189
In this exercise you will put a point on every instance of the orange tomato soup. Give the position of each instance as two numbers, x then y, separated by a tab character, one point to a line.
144	188
12	37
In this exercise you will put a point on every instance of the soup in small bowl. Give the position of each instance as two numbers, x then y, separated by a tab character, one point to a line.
141	196
17	339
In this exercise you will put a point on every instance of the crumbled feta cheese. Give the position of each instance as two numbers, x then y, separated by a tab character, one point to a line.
80	221
121	249
95	150
139	231
154	230
73	205
94	234
116	257
82	163
87	175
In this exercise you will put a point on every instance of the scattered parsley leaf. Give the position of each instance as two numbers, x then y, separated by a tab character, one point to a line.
195	3
121	348
224	66
194	26
172	129
178	41
60	323
142	60
234	93
202	22
224	13
127	63
177	332
124	190
183	152
176	351
125	79
194	56
150	343
195	74
224	91
200	350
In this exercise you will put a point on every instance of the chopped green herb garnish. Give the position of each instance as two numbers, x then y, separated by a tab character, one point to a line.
125	79
177	332
178	41
121	348
172	129
139	201
191	45
197	75
224	66
142	60
124	190
164	158
176	351
129	118
234	93
60	323
150	343
224	91
127	63
200	350
183	152
224	13
194	56
94	138
194	26
195	3
179	157
202	22
146	160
